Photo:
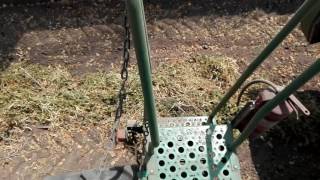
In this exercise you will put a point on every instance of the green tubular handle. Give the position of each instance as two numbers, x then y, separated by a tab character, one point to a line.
140	40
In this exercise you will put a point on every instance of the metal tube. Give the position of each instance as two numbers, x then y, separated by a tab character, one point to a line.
140	40
301	12
280	97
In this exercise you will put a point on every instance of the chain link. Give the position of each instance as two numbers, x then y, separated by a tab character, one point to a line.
124	77
141	155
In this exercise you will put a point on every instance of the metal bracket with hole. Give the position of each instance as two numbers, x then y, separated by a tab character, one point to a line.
189	149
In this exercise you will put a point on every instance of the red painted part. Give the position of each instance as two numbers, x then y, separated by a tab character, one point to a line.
279	113
121	135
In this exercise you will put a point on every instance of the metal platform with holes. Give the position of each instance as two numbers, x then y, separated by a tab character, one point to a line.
190	150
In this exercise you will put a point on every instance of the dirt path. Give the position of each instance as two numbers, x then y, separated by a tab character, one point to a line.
40	153
87	37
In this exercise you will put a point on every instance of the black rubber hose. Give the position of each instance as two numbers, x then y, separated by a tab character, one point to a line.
269	83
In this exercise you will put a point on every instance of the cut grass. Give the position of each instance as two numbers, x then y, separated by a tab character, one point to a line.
56	99
35	94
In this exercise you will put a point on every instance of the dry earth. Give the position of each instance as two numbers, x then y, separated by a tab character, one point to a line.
87	37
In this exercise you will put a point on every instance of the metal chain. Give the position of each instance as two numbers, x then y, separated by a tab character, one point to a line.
124	76
141	156
144	150
122	96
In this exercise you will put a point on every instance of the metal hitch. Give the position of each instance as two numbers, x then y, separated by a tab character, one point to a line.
129	134
279	113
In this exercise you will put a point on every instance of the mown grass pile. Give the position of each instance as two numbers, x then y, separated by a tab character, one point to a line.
35	94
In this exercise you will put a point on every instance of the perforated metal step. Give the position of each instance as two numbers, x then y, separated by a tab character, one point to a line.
190	150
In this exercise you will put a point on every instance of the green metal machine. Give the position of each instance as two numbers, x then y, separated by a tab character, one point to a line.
194	148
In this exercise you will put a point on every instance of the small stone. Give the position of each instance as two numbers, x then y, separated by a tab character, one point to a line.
262	138
270	144
205	46
291	162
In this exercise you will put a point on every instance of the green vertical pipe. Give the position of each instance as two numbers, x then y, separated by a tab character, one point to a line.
301	12
140	40
280	97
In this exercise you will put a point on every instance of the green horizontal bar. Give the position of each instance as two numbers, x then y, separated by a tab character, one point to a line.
293	22
280	97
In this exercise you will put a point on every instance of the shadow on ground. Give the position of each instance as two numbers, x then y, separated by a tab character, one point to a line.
106	16
291	150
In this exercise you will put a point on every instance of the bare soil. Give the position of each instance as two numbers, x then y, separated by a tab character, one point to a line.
87	37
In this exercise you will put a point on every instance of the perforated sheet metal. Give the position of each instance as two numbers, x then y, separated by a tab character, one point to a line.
190	150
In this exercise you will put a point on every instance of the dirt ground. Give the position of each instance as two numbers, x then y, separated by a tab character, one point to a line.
87	37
